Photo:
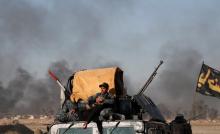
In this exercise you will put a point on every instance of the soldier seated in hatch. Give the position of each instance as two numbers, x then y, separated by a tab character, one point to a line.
100	104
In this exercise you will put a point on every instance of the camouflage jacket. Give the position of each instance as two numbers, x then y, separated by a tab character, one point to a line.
64	115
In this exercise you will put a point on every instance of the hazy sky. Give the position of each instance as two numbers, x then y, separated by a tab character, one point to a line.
134	34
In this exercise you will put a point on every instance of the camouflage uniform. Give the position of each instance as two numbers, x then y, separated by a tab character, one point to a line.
64	114
104	110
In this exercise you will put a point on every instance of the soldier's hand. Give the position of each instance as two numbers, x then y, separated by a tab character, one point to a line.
87	107
99	100
72	111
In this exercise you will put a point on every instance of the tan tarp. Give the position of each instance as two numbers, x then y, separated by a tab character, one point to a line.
86	83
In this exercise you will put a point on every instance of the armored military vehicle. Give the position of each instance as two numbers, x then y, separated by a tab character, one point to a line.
140	112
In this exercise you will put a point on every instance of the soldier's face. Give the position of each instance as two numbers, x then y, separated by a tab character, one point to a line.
103	90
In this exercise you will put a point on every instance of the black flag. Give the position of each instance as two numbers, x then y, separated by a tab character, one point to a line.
209	81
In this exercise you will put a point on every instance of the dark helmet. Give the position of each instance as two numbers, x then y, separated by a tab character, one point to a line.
105	85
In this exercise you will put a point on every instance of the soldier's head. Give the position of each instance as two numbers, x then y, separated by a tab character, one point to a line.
104	87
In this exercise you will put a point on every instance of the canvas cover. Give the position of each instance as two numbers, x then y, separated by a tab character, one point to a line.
86	83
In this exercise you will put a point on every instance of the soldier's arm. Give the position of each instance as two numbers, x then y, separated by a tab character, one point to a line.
92	99
109	99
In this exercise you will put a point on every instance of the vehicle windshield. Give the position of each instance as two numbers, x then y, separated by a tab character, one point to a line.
108	130
76	131
119	130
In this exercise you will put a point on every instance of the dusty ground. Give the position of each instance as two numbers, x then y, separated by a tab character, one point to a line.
31	124
206	127
198	127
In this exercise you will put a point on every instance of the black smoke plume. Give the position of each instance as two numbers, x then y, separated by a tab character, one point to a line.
25	94
176	84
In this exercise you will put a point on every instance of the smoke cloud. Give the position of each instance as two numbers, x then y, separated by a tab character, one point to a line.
27	95
36	35
176	82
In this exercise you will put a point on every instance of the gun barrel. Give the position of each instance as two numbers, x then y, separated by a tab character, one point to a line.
150	79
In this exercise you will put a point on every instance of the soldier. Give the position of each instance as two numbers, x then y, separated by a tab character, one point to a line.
101	98
101	102
68	113
180	125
